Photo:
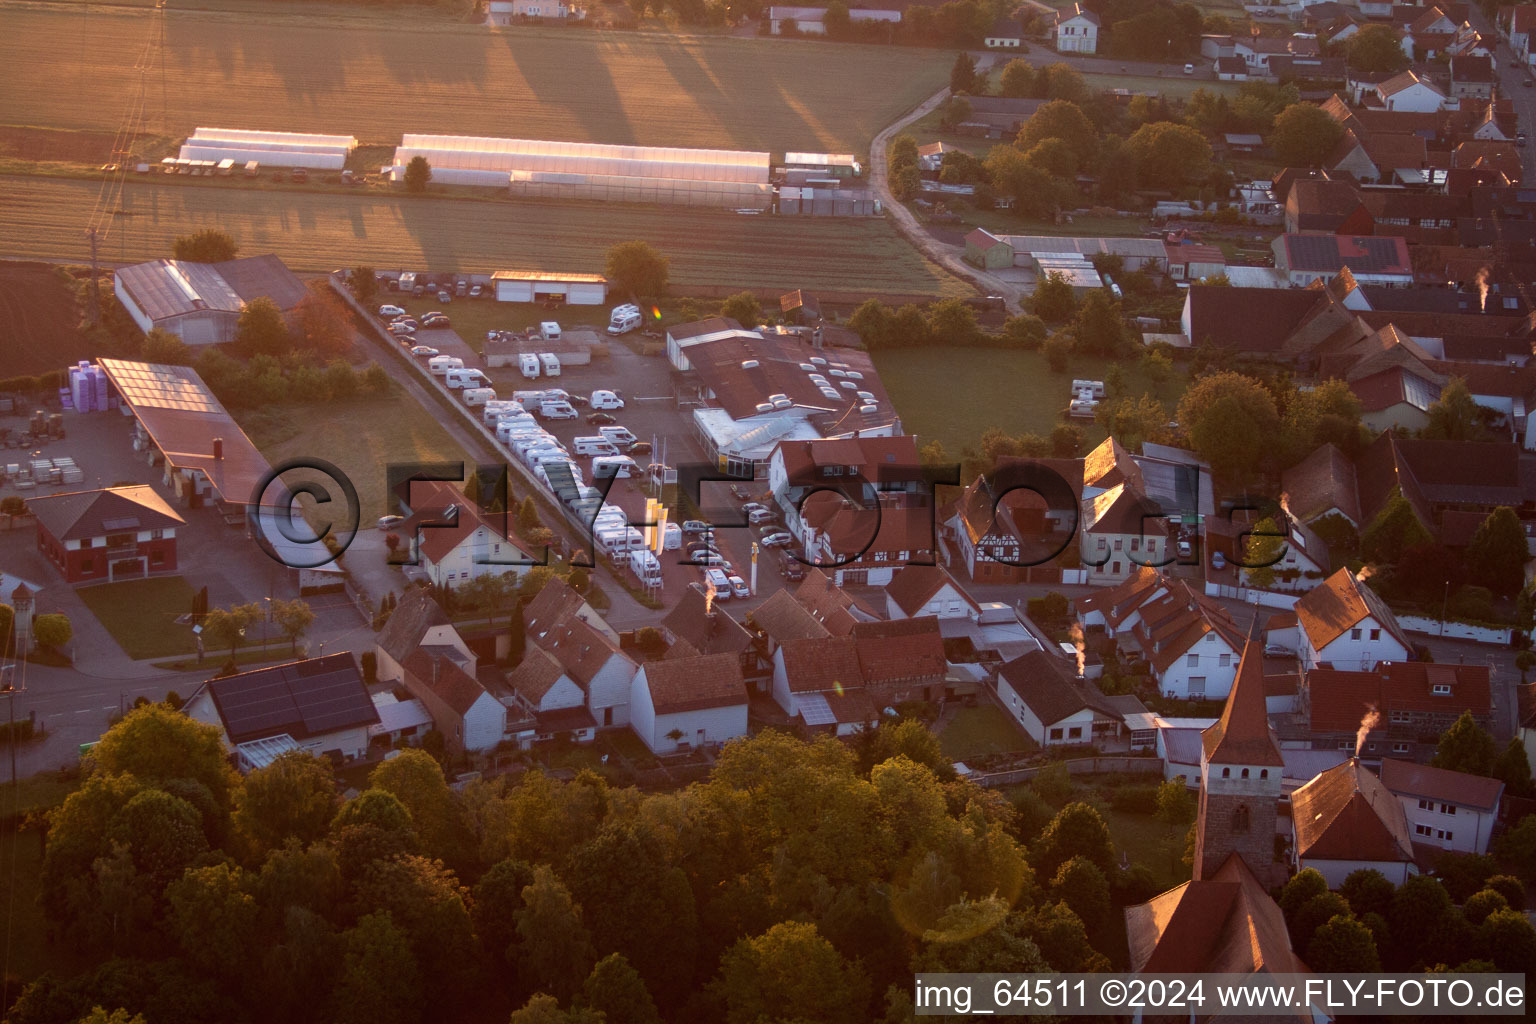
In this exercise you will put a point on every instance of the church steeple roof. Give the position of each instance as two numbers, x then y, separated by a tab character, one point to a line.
1243	735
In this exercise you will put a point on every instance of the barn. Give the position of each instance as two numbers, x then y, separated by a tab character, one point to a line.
536	286
200	303
528	168
274	149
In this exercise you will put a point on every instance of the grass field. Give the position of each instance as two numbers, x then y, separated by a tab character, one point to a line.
974	732
141	615
40	322
953	395
72	66
45	218
360	437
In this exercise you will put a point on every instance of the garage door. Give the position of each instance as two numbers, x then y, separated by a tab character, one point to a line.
514	291
197	330
586	295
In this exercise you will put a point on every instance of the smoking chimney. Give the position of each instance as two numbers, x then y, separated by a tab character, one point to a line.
1371	720
218	447
1077	642
1481	280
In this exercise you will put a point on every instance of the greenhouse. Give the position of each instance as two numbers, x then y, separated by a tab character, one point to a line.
277	149
646	174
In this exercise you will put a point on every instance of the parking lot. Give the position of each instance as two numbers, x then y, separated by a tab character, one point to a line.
653	414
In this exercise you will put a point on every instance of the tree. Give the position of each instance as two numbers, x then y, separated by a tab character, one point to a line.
1367	891
1518	847
790	973
906	181
1466	747
744	308
161	346
1066	440
364	284
1034	192
1169	155
1053	300
213	916
1024	331
1175	807
155	744
1231	421
637	268
417	174
294	797
616	990
553	948
1264	547
225	627
1420	918
1058	351
294	618
837	22
1082	886
210	245
1059	119
1376	49
903	151
416	780
261	329
325	325
1454	416
98	1015
1303	135
1482	903
1061	81
1301	888
1395	530
1510	940
1018	80
1077	831
953	323
1098	326
52	630
872	322
1054	157
1343	945
1497	555
1513	768
1313	914
380	981
962	74
1116	169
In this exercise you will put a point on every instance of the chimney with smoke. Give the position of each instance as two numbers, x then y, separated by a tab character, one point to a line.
1481	280
709	598
1371	720
1077	643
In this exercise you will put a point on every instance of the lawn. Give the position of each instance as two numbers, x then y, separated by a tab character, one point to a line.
953	395
376	78
361	437
44	218
982	730
1148	841
141	615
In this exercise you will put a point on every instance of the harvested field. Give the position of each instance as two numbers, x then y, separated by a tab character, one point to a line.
61	145
43	218
38	320
72	66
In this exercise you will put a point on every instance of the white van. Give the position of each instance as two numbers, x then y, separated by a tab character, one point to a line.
624	322
674	538
530	364
439	366
646	566
549	330
605	399
620	436
717	579
614	465
478	396
459	377
557	411
595	446
551	364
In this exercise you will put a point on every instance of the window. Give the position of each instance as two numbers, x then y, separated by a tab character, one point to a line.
1426	805
1447	808
1399	748
1075	733
1446	834
1055	734
1399	717
1197	687
1135	543
1348	744
1245	773
1240	818
1193	661
1226	661
156	534
1116	569
1422	830
1119	544
1226	773
1441	689
1354	634
1375	634
1263	773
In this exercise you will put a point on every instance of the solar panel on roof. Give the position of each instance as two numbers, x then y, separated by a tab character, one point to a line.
815	710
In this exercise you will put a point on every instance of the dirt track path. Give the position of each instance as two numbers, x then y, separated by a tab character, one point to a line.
947	256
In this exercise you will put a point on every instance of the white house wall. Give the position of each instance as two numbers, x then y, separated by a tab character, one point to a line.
609	689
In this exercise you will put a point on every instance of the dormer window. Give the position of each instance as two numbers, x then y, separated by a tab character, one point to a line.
1441	689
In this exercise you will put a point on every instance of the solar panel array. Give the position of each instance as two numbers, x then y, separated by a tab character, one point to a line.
1363	255
815	710
157	386
305	698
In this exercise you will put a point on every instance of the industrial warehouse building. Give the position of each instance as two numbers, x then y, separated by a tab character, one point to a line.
275	149
734	179
536	286
201	303
990	252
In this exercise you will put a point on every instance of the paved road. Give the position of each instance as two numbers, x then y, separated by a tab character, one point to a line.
947	256
1039	56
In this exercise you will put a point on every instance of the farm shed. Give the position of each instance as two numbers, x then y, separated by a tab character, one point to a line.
1134	253
828	202
273	149
987	251
836	165
200	303
580	170
533	285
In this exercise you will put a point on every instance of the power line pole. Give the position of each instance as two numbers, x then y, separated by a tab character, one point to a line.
95	278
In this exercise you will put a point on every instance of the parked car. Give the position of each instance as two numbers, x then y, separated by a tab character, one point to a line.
778	539
1218	560
390	522
387	310
791	568
754	506
695	526
445	297
600	418
475	291
401	329
460	287
578	400
299	175
639	448
739	492
760	516
739	586
1186	549
437	323
1189	69
423	351
429	314
1272	651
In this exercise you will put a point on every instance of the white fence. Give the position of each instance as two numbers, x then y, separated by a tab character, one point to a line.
1250	595
1454	630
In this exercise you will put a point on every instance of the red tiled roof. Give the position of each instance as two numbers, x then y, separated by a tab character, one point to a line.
874	459
445	679
1243	735
822	664
1407	778
1347	814
826	602
904	649
915	585
1382	390
781	618
1339	604
1323	480
83	515
1339	699
693	684
535	676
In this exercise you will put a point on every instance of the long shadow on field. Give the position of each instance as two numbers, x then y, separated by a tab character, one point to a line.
725	94
593	104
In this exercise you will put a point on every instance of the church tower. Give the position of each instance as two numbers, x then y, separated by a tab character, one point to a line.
1240	770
